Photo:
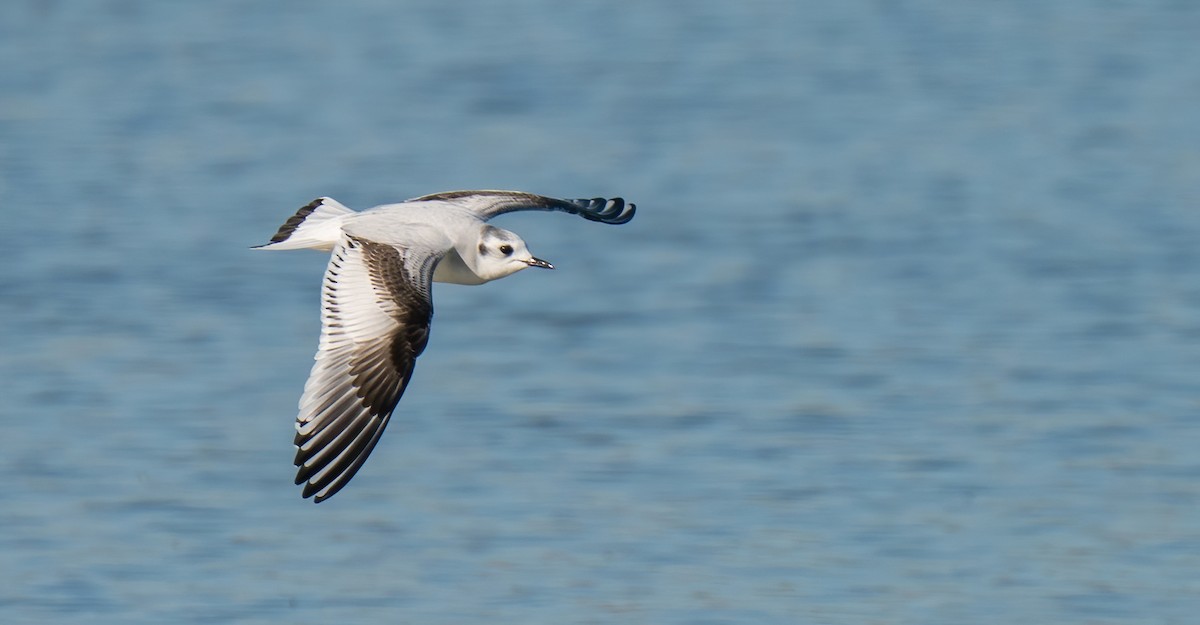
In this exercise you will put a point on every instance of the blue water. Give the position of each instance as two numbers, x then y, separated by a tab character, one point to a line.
906	330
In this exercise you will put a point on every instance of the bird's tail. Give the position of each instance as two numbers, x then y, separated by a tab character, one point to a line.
316	226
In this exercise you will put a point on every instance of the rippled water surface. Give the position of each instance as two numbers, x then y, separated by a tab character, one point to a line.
906	330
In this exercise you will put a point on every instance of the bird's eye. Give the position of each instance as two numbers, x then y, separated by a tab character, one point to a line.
506	249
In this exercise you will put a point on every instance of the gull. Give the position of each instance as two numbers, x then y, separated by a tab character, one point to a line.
377	305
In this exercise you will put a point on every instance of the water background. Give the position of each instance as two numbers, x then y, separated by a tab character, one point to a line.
906	330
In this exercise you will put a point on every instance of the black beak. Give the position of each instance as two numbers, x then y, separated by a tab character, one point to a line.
537	262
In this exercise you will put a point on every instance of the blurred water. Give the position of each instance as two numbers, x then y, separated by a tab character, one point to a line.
906	329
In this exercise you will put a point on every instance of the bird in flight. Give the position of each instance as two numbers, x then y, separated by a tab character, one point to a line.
376	305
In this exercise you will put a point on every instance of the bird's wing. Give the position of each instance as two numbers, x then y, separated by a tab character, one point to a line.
376	309
488	204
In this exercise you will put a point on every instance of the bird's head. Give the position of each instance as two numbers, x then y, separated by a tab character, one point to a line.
500	253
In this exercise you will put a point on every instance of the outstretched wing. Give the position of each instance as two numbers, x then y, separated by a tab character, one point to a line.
376	309
488	204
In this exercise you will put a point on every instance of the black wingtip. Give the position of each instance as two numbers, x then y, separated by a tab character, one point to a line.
614	211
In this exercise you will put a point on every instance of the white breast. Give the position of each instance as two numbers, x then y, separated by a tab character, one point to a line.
453	270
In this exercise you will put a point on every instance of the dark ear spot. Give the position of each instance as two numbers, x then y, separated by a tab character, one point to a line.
482	249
